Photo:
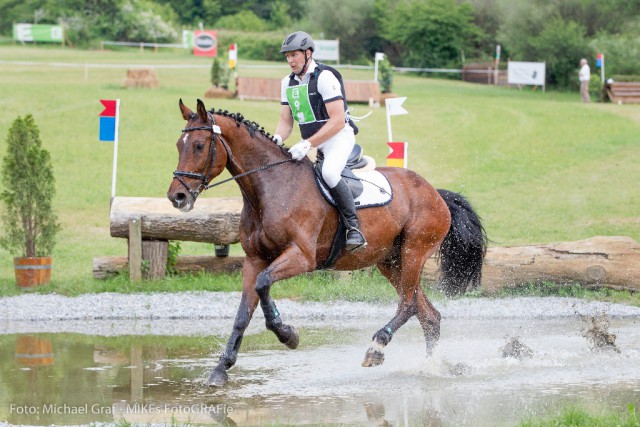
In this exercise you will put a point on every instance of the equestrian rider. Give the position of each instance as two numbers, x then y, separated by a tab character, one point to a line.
313	95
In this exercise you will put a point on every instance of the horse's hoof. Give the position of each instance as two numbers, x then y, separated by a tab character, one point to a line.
294	339
217	379
373	358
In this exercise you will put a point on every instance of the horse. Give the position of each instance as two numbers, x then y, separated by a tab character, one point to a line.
287	228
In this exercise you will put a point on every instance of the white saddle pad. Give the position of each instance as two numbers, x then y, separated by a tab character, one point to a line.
377	190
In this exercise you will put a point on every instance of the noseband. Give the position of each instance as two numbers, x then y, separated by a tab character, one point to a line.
211	158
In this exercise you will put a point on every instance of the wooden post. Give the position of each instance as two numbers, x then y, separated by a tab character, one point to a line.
135	250
155	253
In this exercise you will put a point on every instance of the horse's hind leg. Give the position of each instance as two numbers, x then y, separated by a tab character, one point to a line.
403	270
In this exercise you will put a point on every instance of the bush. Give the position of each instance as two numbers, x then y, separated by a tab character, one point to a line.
30	223
257	46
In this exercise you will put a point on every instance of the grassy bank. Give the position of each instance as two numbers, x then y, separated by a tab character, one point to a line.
539	167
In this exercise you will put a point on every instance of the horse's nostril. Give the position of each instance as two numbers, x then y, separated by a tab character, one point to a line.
180	197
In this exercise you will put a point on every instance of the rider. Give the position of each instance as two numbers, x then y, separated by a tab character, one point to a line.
313	95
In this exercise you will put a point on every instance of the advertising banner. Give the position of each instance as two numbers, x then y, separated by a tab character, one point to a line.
205	43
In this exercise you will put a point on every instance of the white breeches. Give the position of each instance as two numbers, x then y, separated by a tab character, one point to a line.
336	151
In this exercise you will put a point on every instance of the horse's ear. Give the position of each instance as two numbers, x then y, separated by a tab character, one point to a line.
186	112
202	111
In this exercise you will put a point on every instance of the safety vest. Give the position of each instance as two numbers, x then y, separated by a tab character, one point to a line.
307	105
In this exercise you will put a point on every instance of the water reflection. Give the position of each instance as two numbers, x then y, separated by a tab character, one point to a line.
78	379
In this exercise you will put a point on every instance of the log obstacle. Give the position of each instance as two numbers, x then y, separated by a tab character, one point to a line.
149	223
602	261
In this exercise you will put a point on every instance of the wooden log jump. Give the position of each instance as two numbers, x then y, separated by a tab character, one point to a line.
149	223
623	92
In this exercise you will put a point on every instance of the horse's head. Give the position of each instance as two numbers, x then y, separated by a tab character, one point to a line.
201	157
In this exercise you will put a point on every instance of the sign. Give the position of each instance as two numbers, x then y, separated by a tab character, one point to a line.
38	33
398	155
187	39
327	50
233	56
205	43
599	60
527	73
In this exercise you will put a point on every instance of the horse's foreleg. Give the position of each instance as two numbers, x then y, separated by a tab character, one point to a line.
290	263
248	304
375	353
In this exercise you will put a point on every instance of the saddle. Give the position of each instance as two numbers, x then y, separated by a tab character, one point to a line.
356	160
369	188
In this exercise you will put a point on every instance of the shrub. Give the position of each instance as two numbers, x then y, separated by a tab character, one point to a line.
30	223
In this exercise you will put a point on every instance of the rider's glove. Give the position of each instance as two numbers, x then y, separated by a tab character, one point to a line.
278	139
300	150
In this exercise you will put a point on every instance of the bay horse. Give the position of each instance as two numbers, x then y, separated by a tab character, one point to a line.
287	228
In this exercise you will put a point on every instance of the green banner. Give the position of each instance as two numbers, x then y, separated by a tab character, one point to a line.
38	33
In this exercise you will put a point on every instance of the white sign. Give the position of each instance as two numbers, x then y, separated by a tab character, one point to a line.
327	50
526	73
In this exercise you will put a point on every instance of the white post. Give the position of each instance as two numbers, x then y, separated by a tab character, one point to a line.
378	57
602	71
115	151
389	124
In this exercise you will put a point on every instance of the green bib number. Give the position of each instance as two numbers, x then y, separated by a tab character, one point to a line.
298	97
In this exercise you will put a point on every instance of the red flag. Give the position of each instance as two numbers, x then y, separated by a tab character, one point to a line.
109	107
398	155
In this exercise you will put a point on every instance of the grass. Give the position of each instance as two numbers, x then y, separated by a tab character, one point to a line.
579	417
539	167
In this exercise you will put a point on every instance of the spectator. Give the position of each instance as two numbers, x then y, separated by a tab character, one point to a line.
584	75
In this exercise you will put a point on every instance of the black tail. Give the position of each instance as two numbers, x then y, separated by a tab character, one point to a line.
462	252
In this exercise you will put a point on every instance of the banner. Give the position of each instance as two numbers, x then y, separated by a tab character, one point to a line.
38	33
526	73
398	156
205	43
327	50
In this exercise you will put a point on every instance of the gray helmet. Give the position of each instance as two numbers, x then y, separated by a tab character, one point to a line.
297	41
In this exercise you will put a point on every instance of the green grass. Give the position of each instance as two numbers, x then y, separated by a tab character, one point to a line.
539	167
579	417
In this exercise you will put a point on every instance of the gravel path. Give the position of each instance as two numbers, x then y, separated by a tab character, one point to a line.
196	313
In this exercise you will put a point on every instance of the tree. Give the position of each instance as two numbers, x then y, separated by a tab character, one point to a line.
27	174
431	34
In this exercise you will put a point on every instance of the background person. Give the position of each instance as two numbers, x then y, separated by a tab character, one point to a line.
584	75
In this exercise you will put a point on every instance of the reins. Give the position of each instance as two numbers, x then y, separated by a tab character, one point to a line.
211	158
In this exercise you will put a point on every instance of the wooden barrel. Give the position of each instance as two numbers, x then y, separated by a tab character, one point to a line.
32	271
33	351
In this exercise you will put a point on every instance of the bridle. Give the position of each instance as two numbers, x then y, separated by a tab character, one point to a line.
204	177
211	158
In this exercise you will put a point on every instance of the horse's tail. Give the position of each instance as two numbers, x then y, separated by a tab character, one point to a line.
463	250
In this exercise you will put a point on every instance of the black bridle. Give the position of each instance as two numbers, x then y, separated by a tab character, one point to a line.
205	178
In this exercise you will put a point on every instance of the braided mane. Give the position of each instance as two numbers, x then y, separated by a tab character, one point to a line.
251	126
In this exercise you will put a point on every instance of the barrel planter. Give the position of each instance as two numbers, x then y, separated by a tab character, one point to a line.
32	271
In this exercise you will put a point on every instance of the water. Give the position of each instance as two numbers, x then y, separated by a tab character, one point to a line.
71	378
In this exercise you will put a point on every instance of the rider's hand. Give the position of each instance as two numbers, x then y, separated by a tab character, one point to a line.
300	150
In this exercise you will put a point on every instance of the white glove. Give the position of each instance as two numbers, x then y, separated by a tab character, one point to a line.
278	139
300	150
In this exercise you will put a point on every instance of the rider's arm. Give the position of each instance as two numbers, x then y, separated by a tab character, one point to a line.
285	124
335	124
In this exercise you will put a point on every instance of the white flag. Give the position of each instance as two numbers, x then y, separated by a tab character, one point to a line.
394	106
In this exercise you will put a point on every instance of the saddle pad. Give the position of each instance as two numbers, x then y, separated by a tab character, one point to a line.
377	190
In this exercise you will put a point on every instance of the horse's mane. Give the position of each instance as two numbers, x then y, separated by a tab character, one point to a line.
251	126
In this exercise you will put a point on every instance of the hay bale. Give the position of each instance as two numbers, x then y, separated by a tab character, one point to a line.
141	77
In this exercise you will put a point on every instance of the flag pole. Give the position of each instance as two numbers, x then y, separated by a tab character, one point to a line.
388	111
115	151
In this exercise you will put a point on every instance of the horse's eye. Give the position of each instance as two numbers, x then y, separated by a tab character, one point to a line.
199	147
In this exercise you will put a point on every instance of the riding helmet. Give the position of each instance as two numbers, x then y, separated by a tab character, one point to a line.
297	41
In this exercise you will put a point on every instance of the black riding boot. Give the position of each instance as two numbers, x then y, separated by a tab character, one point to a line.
344	200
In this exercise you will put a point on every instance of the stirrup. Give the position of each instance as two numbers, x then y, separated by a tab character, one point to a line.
358	246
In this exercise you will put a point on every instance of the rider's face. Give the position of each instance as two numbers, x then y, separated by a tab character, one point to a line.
296	60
